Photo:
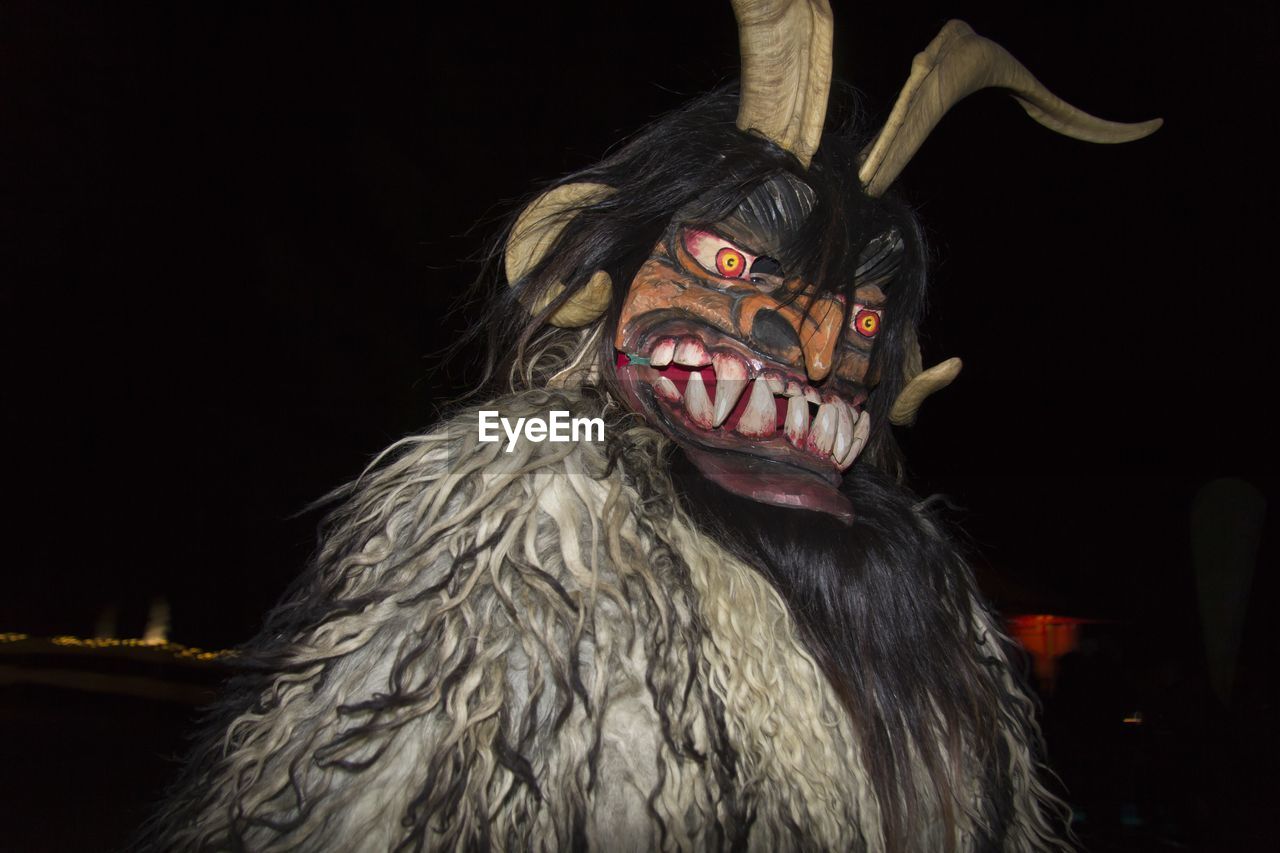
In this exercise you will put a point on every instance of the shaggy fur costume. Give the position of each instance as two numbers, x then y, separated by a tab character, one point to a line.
541	650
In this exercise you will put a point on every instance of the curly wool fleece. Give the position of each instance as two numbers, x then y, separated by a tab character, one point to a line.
537	650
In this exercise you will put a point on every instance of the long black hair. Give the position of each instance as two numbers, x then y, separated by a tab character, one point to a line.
889	609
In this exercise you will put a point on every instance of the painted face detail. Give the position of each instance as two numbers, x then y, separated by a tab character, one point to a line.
716	254
866	321
730	263
757	375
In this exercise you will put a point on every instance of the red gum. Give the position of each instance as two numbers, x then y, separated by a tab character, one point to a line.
680	376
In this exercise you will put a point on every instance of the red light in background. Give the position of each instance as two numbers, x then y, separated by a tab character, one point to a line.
1047	638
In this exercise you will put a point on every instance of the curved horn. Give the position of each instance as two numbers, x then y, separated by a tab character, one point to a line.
534	234
921	386
956	64
786	71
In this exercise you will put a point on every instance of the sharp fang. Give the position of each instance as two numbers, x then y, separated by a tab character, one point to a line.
775	383
797	423
666	389
696	401
731	381
691	353
823	434
861	432
793	388
812	395
662	353
760	420
844	431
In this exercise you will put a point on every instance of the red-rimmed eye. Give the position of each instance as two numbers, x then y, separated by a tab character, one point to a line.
866	322
717	255
730	263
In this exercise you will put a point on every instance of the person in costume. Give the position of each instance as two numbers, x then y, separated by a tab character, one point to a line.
725	625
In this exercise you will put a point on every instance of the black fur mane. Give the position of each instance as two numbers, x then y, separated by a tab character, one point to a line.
884	605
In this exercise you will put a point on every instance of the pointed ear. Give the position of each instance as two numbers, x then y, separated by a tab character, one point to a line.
533	235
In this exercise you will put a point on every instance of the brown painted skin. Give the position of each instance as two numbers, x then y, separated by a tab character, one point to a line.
674	285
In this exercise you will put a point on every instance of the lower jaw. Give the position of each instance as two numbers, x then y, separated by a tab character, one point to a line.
769	482
756	478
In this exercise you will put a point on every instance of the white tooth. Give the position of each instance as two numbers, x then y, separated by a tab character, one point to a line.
844	430
691	353
731	381
797	423
793	388
863	430
661	355
860	434
666	389
811	395
775	383
760	420
823	433
696	402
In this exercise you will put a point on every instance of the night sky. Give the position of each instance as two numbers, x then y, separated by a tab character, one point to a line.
230	234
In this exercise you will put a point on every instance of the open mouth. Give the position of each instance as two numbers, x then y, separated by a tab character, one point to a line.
752	424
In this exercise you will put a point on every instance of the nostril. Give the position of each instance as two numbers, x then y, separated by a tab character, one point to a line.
773	333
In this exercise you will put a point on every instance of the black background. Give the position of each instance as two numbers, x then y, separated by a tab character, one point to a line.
230	233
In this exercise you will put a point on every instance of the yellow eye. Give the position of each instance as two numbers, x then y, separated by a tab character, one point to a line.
730	263
717	255
866	323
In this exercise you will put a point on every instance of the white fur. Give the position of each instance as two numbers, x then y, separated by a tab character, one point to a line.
650	606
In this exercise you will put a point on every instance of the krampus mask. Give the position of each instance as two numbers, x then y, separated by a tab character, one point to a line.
755	337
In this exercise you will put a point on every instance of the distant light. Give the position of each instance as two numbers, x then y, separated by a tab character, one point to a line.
1133	719
157	631
176	649
1047	638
